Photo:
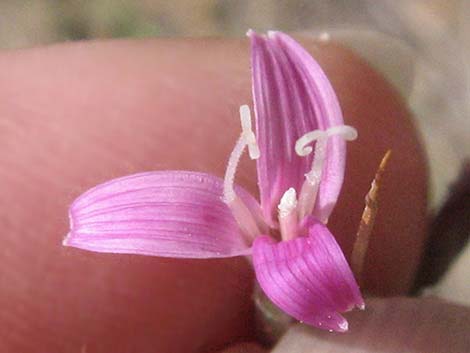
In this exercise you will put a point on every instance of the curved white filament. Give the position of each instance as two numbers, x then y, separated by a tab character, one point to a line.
247	138
239	210
309	191
229	179
302	147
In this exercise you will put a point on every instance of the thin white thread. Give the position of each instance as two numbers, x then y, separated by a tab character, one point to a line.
247	138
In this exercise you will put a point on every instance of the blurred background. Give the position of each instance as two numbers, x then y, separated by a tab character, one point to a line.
421	46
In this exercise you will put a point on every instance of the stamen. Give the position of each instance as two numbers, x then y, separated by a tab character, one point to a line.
302	147
288	214
288	203
309	191
348	133
239	210
244	218
229	179
247	138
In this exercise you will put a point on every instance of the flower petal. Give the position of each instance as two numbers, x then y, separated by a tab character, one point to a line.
308	278
292	96
169	213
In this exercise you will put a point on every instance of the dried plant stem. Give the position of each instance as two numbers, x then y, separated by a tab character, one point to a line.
367	221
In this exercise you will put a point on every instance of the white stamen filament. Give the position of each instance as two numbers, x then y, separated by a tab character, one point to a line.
245	219
308	194
229	179
309	191
288	214
239	210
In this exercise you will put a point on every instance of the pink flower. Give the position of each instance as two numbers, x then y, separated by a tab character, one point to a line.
185	214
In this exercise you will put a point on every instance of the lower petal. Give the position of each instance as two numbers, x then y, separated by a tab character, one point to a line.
308	277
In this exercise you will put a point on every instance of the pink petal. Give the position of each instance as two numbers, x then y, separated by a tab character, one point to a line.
292	96
308	278
170	213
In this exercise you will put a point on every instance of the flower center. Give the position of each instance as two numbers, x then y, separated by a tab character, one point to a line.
290	209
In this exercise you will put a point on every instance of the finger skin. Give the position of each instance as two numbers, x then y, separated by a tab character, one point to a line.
75	115
245	348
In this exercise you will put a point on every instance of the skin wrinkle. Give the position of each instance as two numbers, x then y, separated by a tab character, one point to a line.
101	110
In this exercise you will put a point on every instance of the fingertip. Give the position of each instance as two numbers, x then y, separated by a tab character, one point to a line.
110	109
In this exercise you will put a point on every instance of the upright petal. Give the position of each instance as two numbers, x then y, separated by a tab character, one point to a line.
169	213
308	278
292	96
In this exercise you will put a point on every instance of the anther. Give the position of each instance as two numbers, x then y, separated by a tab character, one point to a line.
247	132
288	203
288	214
